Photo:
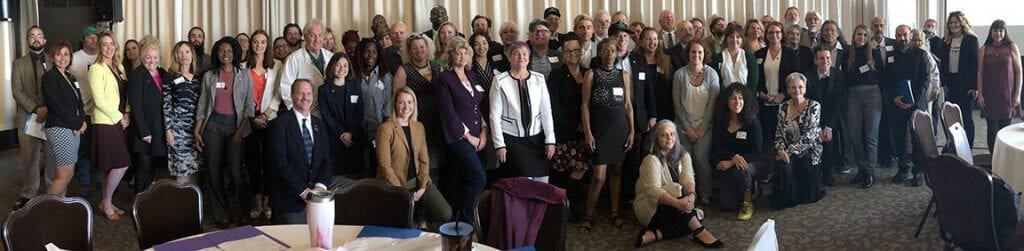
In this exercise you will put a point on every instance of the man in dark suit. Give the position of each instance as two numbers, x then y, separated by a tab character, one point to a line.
677	52
299	156
825	85
909	65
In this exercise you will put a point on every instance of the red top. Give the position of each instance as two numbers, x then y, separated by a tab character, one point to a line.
223	96
259	84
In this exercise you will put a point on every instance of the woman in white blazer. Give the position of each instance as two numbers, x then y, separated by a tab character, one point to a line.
522	127
264	70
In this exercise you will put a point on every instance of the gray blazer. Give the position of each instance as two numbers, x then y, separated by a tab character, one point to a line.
245	107
681	78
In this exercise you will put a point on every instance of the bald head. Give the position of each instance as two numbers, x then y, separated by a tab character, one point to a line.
685	31
399	31
878	27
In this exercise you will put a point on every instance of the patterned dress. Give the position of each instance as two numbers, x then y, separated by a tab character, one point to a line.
426	100
180	99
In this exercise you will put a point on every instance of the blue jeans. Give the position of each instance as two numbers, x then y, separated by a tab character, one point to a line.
471	176
83	169
863	116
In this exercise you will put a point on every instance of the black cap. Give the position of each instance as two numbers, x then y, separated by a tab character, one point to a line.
552	11
537	22
615	28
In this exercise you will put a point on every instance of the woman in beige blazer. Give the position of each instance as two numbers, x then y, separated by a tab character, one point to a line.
402	156
665	192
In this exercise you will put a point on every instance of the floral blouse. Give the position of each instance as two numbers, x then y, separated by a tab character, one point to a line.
799	136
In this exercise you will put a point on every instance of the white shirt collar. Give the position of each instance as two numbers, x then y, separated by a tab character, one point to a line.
309	122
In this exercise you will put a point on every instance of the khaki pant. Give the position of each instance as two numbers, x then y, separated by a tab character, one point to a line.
30	153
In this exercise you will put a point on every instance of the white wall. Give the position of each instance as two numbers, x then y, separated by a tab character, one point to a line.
1016	33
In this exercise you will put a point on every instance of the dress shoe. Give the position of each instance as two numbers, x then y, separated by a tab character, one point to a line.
900	176
917	181
859	178
844	169
869	180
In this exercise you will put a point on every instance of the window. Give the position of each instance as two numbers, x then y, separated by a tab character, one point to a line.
983	12
900	12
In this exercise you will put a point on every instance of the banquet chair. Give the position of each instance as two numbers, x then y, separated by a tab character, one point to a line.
951	116
924	132
166	211
551	235
970	211
65	222
371	202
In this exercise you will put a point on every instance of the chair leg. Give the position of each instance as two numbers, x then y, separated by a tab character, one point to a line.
924	217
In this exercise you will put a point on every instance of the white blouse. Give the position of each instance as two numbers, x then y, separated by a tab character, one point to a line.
734	71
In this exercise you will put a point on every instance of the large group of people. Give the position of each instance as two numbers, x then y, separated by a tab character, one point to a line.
671	117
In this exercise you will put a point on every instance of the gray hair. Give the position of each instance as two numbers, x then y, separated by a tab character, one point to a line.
794	77
924	39
673	156
309	25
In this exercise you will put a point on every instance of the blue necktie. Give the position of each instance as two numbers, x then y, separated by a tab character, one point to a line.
307	141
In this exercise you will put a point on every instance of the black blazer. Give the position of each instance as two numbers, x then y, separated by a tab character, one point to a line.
753	70
830	93
644	106
804	58
64	100
339	113
457	107
292	172
967	77
789	63
566	98
678	54
910	65
147	112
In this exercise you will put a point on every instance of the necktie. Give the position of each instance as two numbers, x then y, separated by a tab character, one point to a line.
307	141
671	39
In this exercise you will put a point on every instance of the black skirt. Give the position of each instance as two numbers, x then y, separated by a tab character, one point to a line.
110	150
796	183
610	130
525	157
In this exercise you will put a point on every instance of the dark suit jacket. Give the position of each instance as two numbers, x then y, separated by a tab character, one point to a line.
910	65
292	172
342	115
147	112
830	93
65	106
458	108
644	106
789	63
967	78
804	57
753	70
678	55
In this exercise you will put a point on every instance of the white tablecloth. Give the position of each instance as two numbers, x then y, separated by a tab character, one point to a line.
297	236
1008	157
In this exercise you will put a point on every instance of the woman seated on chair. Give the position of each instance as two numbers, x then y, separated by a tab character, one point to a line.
798	148
736	148
402	156
665	192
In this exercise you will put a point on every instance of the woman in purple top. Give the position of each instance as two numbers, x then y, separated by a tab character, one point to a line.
459	96
999	80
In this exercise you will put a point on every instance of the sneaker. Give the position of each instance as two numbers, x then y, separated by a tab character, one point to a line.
844	169
746	211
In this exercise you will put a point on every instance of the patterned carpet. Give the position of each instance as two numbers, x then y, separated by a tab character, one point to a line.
848	218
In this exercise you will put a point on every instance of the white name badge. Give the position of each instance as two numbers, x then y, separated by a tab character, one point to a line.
553	59
888	48
179	80
496	57
353	99
891	60
643	76
380	85
617	91
741	135
220	85
479	88
77	86
760	61
864	68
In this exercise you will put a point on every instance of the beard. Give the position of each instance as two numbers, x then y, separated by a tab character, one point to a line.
35	48
199	48
902	46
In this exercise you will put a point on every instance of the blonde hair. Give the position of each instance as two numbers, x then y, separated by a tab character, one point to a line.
174	58
453	48
415	105
149	42
407	46
117	54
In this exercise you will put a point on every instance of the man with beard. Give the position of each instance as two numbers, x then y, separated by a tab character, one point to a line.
482	24
714	42
792	16
307	63
602	21
391	56
80	63
811	36
26	84
293	35
907	65
197	36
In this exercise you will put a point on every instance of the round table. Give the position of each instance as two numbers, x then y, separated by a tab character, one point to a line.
1008	157
297	236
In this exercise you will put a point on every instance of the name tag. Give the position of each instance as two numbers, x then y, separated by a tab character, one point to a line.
44	65
864	68
891	60
617	91
220	85
179	80
553	59
760	61
888	48
643	76
77	86
380	85
479	88
353	99
496	57
741	135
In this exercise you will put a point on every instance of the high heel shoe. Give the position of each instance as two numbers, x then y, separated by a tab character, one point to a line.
714	245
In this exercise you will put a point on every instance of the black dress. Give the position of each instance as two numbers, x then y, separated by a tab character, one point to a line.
341	108
608	116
